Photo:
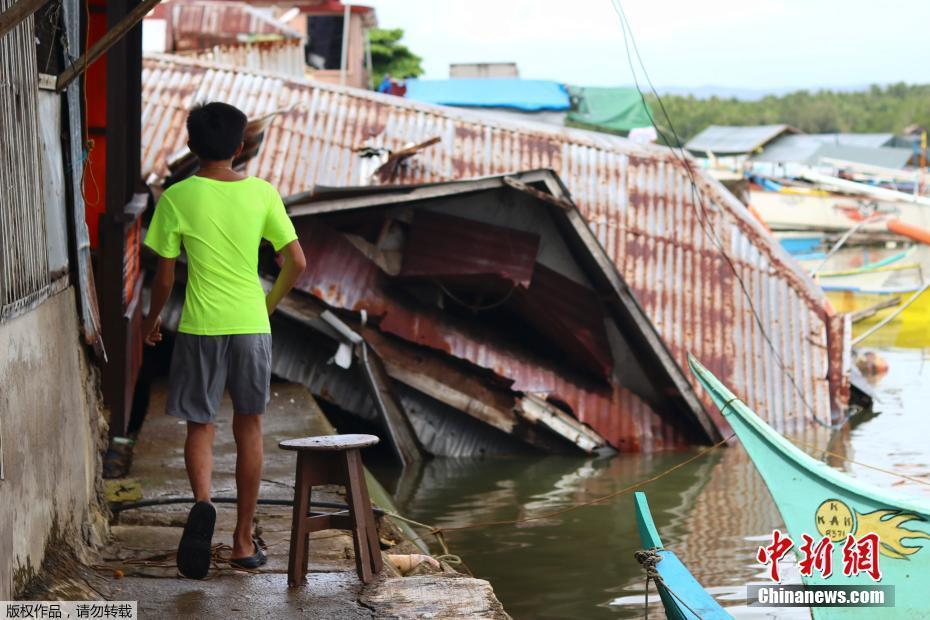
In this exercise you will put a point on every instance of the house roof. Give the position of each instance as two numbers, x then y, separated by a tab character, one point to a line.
514	93
636	198
735	140
871	140
282	56
811	149
198	24
884	157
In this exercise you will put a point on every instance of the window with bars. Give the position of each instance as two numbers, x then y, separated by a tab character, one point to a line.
24	271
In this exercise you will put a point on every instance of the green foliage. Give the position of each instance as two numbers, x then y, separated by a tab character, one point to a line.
886	109
390	57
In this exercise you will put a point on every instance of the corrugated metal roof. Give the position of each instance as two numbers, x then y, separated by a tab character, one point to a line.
801	148
884	157
733	140
453	247
637	199
284	57
873	140
198	24
789	149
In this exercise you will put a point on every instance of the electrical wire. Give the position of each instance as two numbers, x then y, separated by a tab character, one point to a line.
697	200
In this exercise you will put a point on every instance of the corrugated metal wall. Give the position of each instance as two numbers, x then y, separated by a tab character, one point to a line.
23	257
279	57
637	200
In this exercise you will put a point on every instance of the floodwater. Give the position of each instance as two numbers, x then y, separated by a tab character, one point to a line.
713	512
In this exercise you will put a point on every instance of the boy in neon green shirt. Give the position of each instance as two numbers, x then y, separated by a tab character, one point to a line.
224	339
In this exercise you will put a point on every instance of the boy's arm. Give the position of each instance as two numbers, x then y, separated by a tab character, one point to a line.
294	265
161	290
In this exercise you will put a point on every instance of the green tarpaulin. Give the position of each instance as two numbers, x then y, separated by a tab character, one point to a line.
611	109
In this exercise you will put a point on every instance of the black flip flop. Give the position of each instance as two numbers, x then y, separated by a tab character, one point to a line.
196	547
253	561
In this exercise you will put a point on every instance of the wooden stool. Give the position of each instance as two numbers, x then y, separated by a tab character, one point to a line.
333	459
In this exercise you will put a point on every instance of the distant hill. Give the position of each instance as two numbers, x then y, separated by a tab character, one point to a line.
743	94
874	109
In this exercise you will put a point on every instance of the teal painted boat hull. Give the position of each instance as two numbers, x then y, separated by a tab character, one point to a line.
690	600
815	499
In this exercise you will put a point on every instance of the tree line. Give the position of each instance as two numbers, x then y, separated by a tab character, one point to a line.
878	109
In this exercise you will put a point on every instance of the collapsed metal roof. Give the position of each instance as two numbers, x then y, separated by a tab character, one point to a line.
522	244
770	334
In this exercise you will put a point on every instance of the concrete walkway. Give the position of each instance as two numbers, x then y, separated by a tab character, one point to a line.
141	554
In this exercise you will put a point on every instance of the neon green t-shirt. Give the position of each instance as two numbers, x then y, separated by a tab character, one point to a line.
220	224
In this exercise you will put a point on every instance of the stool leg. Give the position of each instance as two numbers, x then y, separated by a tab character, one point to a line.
300	537
371	530
355	481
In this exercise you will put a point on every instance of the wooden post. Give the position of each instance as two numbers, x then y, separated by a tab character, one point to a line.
120	231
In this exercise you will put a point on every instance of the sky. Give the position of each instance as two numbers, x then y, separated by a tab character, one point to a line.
769	45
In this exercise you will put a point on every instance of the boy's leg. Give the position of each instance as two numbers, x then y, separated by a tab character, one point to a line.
195	387
198	457
247	429
248	383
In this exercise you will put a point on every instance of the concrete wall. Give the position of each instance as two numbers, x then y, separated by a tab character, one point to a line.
48	433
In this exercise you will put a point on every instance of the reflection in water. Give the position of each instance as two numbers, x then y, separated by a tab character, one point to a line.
580	564
714	512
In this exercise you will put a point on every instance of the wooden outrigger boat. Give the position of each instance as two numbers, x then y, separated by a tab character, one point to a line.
876	289
682	596
824	266
830	212
817	500
886	280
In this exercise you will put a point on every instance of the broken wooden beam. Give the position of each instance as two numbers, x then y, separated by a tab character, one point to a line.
538	411
403	439
407	447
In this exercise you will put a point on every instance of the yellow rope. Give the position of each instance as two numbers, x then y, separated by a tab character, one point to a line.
861	464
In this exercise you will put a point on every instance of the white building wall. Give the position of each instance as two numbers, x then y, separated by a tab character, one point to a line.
48	433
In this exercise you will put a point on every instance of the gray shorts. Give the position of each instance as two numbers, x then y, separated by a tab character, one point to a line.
202	367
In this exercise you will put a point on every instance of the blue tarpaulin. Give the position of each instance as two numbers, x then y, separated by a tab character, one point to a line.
526	95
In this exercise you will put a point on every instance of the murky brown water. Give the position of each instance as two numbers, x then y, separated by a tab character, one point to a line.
713	512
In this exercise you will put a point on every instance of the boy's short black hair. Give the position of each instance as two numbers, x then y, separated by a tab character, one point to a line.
215	130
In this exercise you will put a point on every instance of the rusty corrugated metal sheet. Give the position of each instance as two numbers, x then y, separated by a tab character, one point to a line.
343	277
195	25
454	247
571	315
637	200
284	57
